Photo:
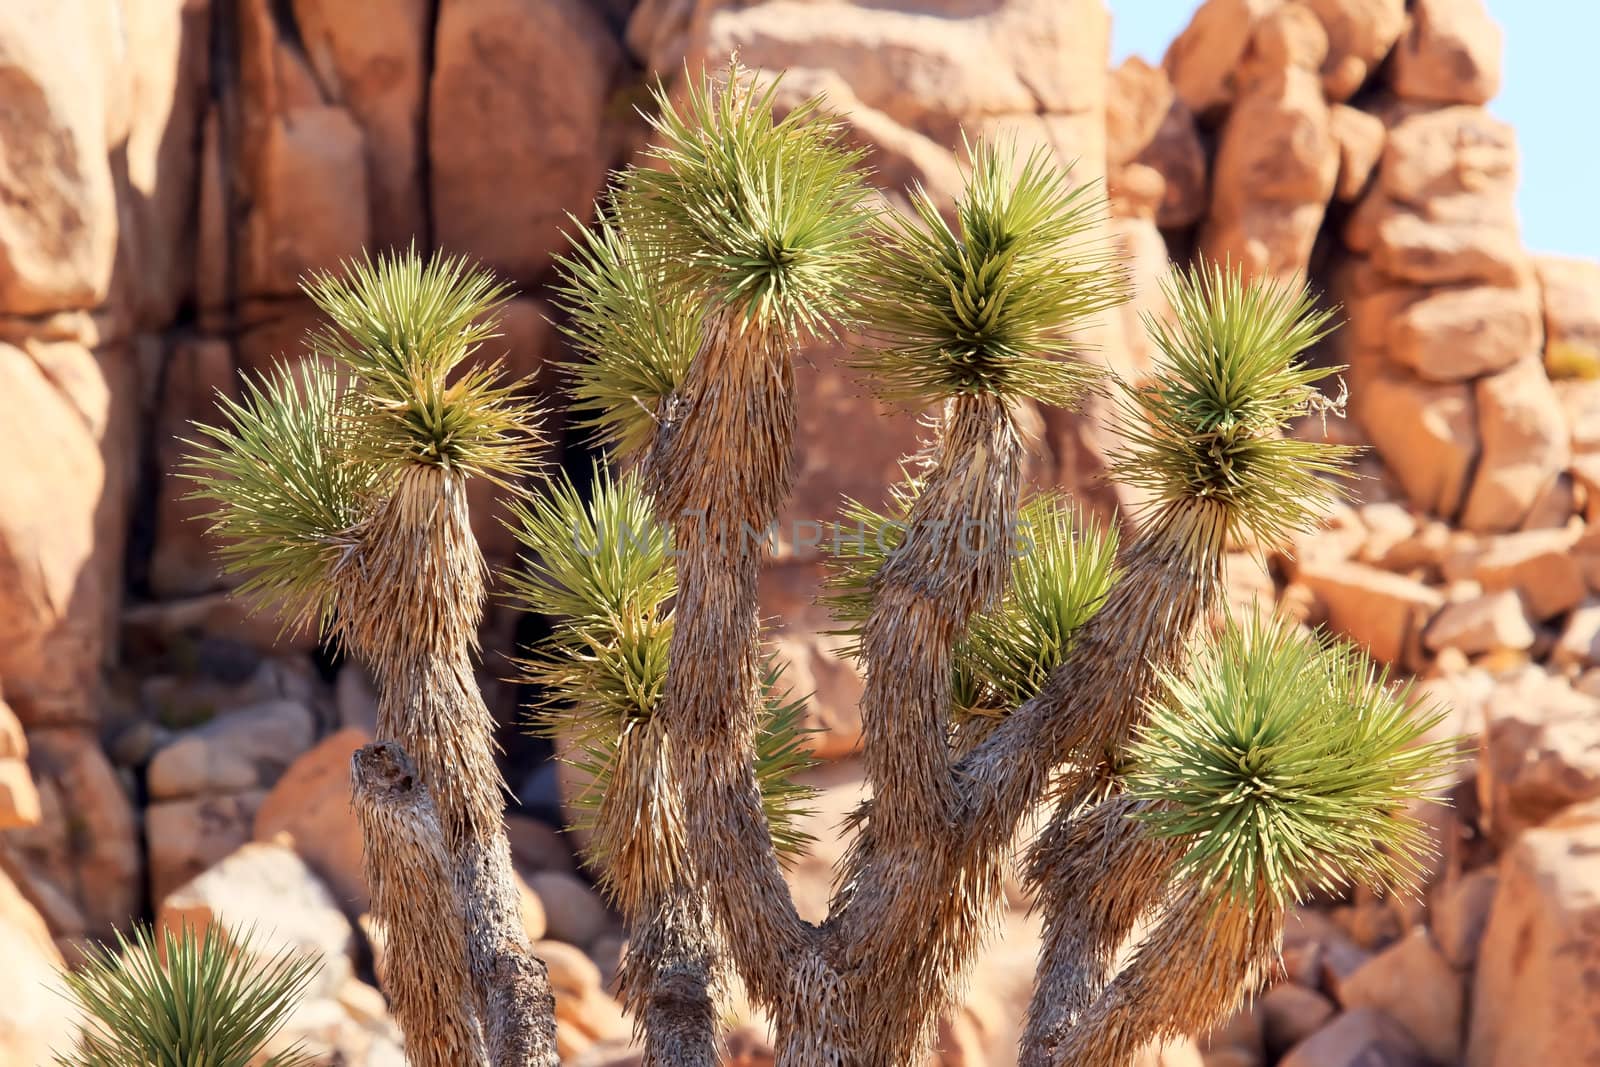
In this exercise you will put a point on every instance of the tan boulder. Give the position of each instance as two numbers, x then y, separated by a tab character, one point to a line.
1291	1013
62	523
311	803
371	56
1360	1038
1138	97
1455	334
269	888
1413	983
1539	564
574	912
1571	290
1426	433
1580	409
82	864
1533	997
1382	612
1360	34
19	797
516	120
1360	137
1450	54
1458	913
1526	446
1456	163
1579	644
1541	751
1204	60
1482	624
58	215
186	837
36	1019
242	750
309	206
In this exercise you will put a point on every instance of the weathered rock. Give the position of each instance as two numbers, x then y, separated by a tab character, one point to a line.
370	56
1426	433
1382	612
1539	564
1579	645
1360	137
1452	163
19	797
1455	334
1450	54
1459	912
186	837
36	1020
58	221
182	559
1423	251
1277	162
1533	998
82	863
309	210
574	912
1413	983
1571	290
1360	1038
1525	447
1360	34
243	750
311	804
1541	752
518	103
270	888
1138	97
1204	60
1482	624
1291	1013
62	524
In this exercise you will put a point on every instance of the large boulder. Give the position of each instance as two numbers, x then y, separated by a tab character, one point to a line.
311	804
1534	996
519	104
1526	447
36	1020
1450	54
1541	752
58	212
243	750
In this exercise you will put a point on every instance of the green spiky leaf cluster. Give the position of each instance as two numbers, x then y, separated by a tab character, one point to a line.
188	1000
754	213
1228	382
406	327
990	305
1286	764
291	467
636	332
603	568
284	496
1063	569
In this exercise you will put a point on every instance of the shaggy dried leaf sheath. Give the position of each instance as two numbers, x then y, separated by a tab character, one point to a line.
415	899
1095	873
724	470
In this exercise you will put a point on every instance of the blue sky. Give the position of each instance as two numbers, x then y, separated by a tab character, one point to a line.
1548	93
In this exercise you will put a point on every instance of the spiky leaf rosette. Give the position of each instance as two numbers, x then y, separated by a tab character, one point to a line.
761	215
283	498
1227	383
637	333
603	568
1285	765
406	328
1063	569
991	305
193	999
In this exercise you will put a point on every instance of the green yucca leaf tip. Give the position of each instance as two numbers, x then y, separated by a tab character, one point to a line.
1211	427
1063	569
282	497
187	999
755	213
636	333
991	305
602	568
1286	764
406	327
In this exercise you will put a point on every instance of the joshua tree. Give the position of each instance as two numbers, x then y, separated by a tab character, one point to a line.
1198	773
193	999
